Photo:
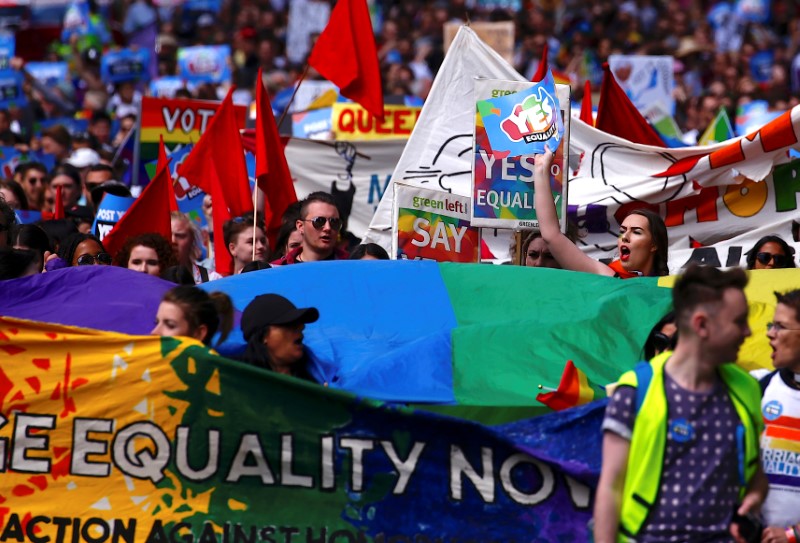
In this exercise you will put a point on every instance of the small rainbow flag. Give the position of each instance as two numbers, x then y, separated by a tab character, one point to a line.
719	130
574	389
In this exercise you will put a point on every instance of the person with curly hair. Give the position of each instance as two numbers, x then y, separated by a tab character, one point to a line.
148	253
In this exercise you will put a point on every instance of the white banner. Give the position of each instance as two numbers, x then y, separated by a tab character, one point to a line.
355	172
698	206
438	155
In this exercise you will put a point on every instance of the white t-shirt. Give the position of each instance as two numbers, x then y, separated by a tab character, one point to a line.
780	451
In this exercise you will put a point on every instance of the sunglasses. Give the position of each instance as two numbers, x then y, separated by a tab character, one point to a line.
103	259
319	222
36	180
780	260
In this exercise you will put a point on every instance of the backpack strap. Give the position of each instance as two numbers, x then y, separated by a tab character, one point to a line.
764	381
644	374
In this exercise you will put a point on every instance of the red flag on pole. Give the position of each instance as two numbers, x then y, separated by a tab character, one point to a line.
586	104
218	160
58	207
541	70
345	54
163	162
617	115
149	213
272	171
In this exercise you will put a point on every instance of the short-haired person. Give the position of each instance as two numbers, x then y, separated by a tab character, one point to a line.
189	311
33	178
780	406
241	238
273	329
319	225
147	253
67	177
680	441
95	176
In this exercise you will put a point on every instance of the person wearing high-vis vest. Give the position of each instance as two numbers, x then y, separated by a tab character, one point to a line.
681	433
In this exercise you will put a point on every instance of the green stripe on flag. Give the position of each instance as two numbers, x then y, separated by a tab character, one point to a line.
520	332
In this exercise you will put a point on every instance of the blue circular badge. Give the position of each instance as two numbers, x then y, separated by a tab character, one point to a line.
681	431
772	410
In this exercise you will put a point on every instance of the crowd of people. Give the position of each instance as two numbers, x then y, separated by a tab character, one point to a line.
681	458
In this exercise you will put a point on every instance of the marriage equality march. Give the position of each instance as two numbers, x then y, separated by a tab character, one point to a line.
129	438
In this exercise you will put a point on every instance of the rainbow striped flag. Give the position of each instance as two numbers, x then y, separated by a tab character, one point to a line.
573	389
719	130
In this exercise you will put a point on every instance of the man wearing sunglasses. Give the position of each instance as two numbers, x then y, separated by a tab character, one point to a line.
780	407
319	224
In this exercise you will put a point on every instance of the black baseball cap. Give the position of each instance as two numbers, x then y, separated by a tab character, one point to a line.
274	309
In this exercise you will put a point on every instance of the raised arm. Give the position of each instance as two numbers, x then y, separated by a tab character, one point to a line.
608	500
568	255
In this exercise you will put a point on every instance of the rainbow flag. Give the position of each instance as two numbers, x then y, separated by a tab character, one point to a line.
573	389
719	130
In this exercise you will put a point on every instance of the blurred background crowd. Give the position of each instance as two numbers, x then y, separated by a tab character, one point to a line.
722	56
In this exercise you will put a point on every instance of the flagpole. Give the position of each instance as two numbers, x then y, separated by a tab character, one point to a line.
286	109
255	216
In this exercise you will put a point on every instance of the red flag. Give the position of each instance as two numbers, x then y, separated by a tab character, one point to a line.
163	162
586	104
218	160
617	115
58	208
223	262
149	213
573	389
272	170
541	70
345	55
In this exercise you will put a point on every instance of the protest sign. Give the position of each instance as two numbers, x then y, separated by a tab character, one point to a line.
314	124
179	121
306	17
166	86
48	73
431	225
109	212
514	121
11	157
205	63
25	216
498	35
7	48
753	11
189	197
647	80
438	153
77	20
353	122
11	93
125	65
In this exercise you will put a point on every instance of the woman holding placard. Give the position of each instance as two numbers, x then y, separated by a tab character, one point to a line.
642	244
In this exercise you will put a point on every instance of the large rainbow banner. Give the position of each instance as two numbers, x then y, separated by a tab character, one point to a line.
113	438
